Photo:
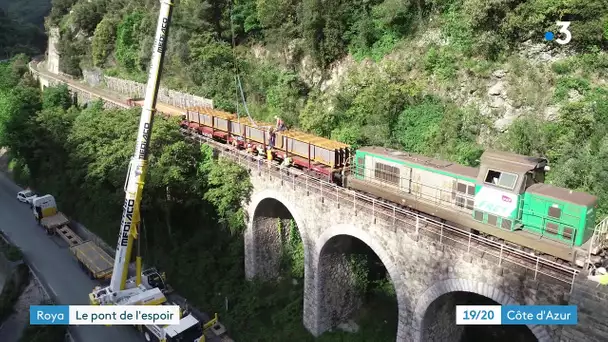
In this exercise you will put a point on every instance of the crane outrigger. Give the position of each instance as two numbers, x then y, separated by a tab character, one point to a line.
148	287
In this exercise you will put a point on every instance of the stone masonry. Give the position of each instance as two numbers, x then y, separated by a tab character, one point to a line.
421	271
425	273
592	314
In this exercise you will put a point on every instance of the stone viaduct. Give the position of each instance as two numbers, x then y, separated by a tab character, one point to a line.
429	263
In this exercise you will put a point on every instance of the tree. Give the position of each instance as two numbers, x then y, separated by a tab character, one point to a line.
225	189
87	15
60	8
103	41
127	42
57	97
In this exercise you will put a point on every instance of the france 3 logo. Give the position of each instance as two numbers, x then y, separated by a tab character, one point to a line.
563	35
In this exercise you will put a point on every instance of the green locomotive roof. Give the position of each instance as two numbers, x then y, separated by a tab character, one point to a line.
575	197
442	165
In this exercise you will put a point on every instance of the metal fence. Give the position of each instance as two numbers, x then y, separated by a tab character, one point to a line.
397	217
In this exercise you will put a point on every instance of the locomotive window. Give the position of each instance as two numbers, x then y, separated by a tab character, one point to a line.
501	179
555	212
387	173
568	233
360	170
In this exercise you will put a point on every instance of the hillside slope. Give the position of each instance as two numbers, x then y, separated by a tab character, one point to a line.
440	78
22	27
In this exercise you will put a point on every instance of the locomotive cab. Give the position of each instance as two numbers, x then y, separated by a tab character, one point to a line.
502	180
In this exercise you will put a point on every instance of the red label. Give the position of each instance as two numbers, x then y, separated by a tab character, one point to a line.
506	199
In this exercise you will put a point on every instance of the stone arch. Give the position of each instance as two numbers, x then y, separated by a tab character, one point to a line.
460	285
252	237
381	252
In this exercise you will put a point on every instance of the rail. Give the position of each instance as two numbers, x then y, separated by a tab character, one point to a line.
392	215
397	217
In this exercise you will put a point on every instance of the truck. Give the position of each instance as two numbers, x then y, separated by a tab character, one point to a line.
46	213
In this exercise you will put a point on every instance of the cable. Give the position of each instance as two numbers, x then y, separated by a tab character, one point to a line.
234	63
237	79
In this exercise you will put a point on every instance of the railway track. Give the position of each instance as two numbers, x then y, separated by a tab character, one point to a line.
416	225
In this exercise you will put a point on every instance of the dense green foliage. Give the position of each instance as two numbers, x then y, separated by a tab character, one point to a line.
412	98
22	27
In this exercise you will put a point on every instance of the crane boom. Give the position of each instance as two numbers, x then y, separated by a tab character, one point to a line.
136	173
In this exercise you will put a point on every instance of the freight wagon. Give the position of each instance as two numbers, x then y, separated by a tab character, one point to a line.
319	155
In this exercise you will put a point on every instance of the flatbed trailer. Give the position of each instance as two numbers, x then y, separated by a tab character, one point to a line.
93	260
51	223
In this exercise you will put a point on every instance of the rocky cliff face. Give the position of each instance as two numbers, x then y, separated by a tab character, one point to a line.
521	84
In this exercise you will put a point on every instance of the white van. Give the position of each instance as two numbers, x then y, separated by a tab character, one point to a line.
44	206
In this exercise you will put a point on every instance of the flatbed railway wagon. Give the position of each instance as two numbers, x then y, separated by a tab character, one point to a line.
321	156
505	198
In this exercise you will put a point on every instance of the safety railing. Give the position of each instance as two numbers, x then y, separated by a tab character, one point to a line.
599	240
398	217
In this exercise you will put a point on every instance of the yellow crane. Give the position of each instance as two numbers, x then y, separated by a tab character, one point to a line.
148	286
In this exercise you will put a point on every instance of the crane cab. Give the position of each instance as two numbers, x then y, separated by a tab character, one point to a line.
151	278
502	180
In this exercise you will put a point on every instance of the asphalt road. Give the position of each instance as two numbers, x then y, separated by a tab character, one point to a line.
54	265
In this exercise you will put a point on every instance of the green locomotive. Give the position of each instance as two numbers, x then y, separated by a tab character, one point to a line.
504	197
